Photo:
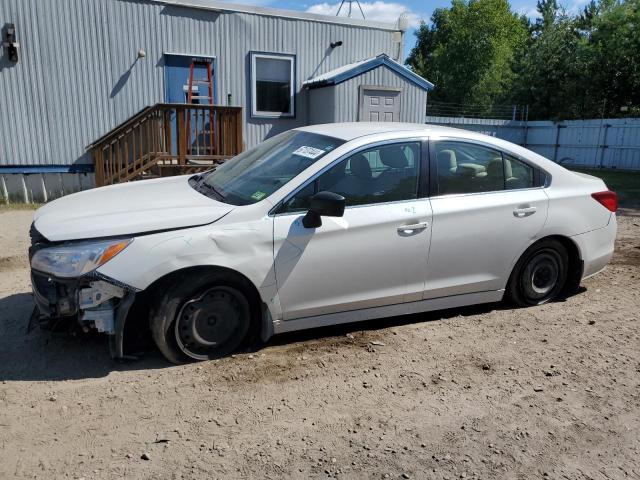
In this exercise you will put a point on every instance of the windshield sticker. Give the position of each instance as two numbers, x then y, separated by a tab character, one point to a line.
309	152
258	195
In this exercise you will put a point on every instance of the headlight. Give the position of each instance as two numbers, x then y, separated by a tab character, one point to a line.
69	261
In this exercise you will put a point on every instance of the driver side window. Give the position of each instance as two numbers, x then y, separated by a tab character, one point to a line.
386	173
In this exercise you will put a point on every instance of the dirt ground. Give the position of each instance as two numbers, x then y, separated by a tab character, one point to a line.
483	392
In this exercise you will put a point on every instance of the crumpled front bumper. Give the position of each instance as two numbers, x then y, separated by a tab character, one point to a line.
92	301
55	298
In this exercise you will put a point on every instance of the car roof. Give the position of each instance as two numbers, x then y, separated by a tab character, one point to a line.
352	130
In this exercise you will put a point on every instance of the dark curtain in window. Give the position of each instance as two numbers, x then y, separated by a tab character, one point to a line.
273	96
273	85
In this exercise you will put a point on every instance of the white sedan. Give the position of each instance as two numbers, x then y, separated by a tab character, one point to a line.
317	226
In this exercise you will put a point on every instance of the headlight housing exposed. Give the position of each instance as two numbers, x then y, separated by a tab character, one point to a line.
68	261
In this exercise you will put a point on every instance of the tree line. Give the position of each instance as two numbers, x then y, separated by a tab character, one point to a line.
564	66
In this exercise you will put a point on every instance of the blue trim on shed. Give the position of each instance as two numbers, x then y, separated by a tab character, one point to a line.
34	169
380	60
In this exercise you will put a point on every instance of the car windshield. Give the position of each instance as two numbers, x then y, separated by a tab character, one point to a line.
257	173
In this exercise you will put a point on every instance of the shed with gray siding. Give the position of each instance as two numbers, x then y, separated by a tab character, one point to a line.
375	89
79	74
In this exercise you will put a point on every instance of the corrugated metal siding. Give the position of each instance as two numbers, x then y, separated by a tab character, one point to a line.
613	143
413	100
322	105
42	187
78	76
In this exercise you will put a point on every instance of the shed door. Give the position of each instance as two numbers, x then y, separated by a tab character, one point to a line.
379	104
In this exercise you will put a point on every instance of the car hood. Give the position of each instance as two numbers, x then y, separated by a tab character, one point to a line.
127	209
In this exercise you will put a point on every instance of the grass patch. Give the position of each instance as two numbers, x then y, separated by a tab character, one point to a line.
625	183
19	206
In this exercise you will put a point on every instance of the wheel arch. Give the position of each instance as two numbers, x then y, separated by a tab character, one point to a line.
576	263
261	325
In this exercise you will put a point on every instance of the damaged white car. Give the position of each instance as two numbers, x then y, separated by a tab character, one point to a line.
318	226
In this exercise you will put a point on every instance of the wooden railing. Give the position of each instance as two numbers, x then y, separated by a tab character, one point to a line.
168	139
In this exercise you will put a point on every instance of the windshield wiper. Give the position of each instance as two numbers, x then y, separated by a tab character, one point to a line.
210	190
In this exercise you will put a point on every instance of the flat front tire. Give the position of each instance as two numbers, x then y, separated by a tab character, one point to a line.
540	274
199	319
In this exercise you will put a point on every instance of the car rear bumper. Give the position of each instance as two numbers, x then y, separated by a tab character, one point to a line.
596	247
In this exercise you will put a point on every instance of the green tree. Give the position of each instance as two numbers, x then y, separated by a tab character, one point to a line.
548	10
614	43
582	66
551	70
563	66
468	51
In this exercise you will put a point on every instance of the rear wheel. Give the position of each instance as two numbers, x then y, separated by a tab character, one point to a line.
200	319
540	274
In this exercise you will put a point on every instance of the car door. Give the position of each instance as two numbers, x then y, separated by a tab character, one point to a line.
376	254
487	208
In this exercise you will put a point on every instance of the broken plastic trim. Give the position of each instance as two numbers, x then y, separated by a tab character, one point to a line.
48	302
95	275
116	347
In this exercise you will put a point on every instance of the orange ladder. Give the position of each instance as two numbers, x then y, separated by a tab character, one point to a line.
208	81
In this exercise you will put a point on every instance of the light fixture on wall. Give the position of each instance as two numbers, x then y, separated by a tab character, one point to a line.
142	53
10	42
336	44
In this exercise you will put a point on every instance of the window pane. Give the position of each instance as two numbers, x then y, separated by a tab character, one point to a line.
273	84
300	202
517	174
468	168
382	174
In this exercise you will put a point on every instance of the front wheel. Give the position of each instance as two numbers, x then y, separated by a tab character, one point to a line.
540	274
200	319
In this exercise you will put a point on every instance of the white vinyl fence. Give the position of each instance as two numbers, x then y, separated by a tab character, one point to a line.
607	143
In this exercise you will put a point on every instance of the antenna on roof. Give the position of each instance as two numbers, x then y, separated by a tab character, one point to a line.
350	2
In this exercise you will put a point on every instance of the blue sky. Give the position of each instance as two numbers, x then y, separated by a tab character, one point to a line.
389	11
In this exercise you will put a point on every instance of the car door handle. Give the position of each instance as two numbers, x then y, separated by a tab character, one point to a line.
413	227
524	212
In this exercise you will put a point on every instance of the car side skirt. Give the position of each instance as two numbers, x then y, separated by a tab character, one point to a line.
431	304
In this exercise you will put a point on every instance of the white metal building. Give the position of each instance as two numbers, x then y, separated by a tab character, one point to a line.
85	67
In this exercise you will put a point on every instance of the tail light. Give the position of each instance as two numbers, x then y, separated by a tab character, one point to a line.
607	199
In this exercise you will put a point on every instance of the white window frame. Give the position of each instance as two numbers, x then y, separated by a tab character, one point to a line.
292	78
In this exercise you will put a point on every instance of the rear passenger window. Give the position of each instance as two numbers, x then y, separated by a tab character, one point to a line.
468	168
518	174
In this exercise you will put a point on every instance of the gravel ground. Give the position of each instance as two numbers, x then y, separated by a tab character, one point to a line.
483	392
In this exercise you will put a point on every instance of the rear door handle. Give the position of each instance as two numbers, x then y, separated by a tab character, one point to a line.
412	228
524	212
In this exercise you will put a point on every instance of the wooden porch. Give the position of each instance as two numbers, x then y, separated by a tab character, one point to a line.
168	139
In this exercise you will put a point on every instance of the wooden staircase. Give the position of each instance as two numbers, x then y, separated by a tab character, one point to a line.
157	142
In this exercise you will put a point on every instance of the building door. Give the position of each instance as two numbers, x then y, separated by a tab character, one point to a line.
176	73
176	68
379	104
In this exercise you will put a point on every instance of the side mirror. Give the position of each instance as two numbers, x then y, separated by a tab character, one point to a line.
323	204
